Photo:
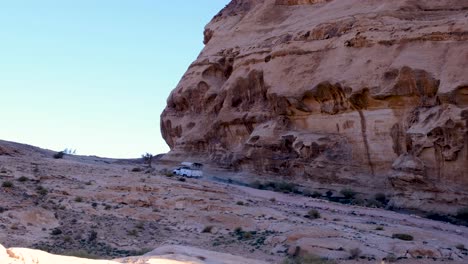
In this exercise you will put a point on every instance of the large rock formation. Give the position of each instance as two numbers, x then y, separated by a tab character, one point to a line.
359	93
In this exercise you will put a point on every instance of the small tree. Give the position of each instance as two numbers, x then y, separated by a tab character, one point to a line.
148	159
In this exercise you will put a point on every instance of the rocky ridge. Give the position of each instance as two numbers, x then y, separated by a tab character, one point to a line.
366	94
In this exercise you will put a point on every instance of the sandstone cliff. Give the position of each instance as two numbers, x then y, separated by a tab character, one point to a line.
369	94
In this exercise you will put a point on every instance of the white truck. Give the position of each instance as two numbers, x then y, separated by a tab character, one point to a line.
189	170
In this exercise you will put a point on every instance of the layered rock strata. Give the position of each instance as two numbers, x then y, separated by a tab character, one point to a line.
369	94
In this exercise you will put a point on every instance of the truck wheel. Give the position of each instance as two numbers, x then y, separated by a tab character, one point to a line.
185	175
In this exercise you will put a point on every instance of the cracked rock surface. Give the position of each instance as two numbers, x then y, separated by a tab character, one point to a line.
366	94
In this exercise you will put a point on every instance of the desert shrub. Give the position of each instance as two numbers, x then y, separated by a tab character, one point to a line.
23	179
286	187
137	169
2	209
132	232
41	190
358	201
313	214
257	185
355	253
240	203
148	158
247	235
391	258
381	197
59	155
273	199
329	194
140	225
92	235
374	203
461	247
78	199
348	193
238	230
316	194
307	259
243	235
56	232
379	228
7	184
405	237
207	229
181	179
462	214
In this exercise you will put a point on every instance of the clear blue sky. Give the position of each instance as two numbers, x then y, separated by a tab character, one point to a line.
94	75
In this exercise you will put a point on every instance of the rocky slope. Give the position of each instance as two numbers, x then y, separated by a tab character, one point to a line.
163	255
112	209
368	94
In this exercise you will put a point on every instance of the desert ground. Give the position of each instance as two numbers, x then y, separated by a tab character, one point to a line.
106	208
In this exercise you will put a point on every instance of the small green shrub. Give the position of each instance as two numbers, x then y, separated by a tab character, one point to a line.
316	194
56	232
313	214
374	203
307	259
140	226
132	232
59	155
207	229
41	190
7	184
391	258
462	214
247	235
23	179
286	187
461	247
404	237
67	239
92	235
257	185
348	193
355	253
381	197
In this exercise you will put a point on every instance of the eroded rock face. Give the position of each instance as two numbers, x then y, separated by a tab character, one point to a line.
356	93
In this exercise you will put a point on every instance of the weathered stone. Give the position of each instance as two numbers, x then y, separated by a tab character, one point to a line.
351	93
